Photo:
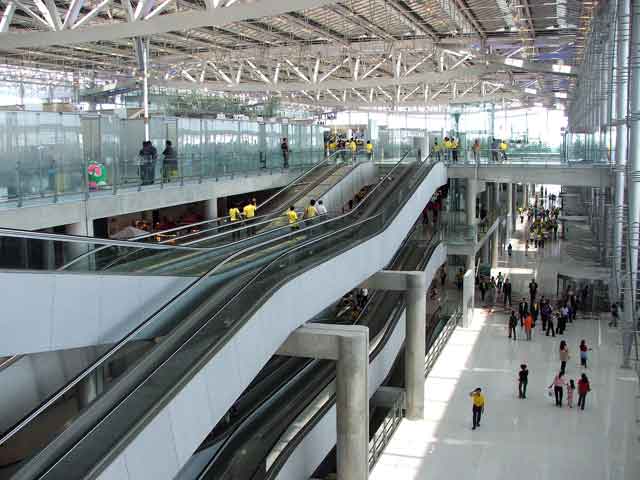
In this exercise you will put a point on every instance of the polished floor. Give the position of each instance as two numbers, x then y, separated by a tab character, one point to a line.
530	438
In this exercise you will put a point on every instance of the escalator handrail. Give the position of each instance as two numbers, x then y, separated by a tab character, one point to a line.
299	177
106	242
222	234
217	220
190	287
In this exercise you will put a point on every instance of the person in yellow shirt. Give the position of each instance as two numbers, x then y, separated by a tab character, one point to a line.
311	211
249	213
293	218
353	146
369	149
234	217
503	149
478	406
446	145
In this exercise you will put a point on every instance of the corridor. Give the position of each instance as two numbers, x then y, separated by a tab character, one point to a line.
531	438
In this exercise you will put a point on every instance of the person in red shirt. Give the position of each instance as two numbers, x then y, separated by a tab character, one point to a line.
583	388
583	353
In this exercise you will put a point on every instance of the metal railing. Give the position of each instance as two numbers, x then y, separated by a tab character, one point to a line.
55	180
387	428
441	340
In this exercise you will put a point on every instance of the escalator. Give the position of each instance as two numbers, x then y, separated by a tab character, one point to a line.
246	447
198	323
217	234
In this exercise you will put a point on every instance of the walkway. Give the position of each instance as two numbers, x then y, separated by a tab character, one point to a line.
523	439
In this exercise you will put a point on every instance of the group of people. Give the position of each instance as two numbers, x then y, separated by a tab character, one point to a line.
498	150
312	210
491	288
148	157
448	149
342	144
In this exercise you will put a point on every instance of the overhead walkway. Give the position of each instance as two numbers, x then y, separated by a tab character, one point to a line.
45	210
539	171
140	274
530	438
211	335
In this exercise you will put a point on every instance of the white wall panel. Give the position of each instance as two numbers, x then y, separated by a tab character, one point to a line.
46	311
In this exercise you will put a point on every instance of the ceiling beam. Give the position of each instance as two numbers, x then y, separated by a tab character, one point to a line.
362	22
313	26
468	73
171	22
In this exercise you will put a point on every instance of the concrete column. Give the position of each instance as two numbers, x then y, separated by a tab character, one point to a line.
472	192
211	208
622	61
349	346
468	292
74	250
415	344
414	283
495	247
525	195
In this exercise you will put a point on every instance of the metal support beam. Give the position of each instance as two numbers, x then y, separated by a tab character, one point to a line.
184	20
348	345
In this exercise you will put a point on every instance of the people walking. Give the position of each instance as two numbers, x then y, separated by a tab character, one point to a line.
528	322
509	249
523	310
523	380
550	326
513	322
506	290
535	310
533	290
584	387
584	349
558	387
571	387
478	402
564	356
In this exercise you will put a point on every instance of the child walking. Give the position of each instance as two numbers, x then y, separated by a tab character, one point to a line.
570	389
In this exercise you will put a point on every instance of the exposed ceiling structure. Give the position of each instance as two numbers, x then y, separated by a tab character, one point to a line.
353	53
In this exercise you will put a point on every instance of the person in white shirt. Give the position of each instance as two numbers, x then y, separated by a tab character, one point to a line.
322	210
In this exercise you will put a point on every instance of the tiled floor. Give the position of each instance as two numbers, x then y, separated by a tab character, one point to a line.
521	439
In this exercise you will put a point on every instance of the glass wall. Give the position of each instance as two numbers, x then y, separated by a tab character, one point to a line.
51	154
40	153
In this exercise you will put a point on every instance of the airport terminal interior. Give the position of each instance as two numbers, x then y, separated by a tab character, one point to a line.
319	239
